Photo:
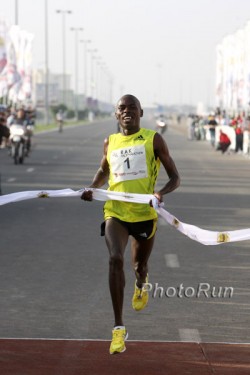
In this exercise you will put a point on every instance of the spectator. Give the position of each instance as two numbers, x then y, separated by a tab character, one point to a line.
224	142
190	127
202	130
4	130
239	138
11	117
212	123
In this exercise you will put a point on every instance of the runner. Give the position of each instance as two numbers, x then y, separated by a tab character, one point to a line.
60	120
130	163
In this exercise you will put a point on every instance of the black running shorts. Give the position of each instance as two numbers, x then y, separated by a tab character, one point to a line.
141	230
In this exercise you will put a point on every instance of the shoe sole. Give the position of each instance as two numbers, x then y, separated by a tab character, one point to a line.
140	309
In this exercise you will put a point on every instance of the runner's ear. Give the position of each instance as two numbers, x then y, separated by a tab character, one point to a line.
141	113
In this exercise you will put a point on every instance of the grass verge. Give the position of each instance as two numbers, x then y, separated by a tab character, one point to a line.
43	127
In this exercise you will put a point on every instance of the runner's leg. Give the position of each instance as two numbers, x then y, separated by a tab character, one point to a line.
116	236
141	250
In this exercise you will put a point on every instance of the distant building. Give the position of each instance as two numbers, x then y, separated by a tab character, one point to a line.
233	71
56	95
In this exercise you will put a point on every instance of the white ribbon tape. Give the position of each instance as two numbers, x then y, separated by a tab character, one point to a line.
203	236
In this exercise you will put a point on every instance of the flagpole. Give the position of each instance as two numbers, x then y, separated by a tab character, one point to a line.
16	12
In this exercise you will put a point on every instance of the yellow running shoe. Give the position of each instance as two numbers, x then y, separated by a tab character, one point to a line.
140	297
119	335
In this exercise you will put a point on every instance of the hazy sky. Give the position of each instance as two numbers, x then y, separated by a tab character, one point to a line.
158	50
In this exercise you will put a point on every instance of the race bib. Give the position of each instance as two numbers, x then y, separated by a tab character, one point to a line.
128	163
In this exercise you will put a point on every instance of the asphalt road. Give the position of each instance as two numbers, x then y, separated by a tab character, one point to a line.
54	264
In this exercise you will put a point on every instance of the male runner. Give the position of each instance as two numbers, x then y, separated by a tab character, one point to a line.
130	163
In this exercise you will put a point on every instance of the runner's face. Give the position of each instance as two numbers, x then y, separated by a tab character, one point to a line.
128	113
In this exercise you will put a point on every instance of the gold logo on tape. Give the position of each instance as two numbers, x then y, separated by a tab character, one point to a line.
176	222
223	237
43	194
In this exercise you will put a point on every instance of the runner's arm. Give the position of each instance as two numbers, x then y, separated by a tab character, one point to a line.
101	176
162	152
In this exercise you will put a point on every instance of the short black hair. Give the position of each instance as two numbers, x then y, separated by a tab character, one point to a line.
131	96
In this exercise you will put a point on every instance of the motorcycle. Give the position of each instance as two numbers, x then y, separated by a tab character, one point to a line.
161	125
19	142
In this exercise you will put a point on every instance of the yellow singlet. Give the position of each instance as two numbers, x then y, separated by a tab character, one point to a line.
133	169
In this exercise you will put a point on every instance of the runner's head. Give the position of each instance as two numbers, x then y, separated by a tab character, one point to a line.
128	112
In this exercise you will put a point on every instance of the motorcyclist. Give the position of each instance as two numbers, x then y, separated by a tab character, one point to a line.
23	118
30	124
161	124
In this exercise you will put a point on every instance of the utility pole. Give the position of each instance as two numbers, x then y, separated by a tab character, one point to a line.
76	29
16	12
63	13
46	65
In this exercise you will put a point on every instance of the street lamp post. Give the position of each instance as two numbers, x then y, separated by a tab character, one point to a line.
109	82
85	42
99	63
101	80
92	58
76	29
159	66
46	101
63	13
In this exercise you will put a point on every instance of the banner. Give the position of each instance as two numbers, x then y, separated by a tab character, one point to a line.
15	62
3	57
195	233
233	70
19	71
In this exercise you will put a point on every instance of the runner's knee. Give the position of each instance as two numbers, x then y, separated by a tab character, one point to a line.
116	260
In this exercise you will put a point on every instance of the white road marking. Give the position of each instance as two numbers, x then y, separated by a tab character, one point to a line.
172	261
244	344
189	335
11	179
161	221
30	170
